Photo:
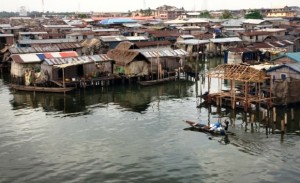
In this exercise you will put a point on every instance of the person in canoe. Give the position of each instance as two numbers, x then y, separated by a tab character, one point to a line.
214	128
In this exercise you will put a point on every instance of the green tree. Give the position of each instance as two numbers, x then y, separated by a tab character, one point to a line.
205	14
129	13
254	14
82	15
149	12
226	14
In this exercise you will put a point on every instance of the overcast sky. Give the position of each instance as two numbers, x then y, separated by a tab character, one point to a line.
125	5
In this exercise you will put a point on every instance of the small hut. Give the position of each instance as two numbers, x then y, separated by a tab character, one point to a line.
27	64
77	69
129	62
285	83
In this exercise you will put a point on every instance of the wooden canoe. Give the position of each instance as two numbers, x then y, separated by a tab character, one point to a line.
41	89
203	128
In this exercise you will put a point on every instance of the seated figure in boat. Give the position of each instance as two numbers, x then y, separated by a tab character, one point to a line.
215	127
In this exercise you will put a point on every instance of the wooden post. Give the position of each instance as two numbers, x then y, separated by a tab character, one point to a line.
282	126
234	93
252	118
220	82
246	97
270	99
285	118
208	83
259	95
292	114
274	115
63	72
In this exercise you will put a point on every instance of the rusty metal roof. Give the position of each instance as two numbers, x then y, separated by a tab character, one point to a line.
39	57
162	52
34	50
61	46
70	61
164	33
46	41
152	43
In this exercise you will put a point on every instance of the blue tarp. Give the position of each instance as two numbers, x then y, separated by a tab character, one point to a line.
117	21
41	56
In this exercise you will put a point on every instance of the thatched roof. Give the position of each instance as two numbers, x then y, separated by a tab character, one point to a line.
125	45
90	42
242	73
124	57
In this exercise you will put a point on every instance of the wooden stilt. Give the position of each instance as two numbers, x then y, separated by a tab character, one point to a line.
274	115
282	126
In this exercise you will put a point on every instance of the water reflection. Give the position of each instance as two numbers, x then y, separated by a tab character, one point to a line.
132	98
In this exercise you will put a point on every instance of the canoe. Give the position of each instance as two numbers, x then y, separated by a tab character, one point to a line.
155	82
41	89
203	128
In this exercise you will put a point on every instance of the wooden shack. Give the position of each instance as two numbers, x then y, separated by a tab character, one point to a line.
129	62
74	70
22	63
285	83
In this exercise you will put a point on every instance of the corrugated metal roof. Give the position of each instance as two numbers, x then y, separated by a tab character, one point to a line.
6	35
26	58
36	58
113	38
32	33
105	30
233	23
193	42
34	50
132	25
293	66
226	40
253	21
137	38
153	43
162	52
5	25
46	41
189	28
110	21
295	56
77	60
61	46
58	26
187	36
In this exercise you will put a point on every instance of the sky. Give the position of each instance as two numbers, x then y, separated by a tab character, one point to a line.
125	5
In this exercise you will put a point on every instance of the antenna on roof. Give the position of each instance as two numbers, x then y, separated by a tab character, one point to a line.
42	6
144	4
204	5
